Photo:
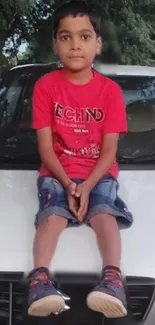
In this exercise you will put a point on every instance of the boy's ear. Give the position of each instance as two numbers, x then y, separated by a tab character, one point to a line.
99	45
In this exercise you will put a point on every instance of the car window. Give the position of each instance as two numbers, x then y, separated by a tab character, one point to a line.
18	145
139	95
10	97
25	111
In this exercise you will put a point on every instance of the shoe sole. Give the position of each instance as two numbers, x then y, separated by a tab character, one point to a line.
110	306
47	305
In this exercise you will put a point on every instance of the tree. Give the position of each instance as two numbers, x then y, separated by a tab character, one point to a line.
11	27
39	25
130	26
127	30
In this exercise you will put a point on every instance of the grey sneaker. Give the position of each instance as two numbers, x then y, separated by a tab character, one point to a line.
109	297
44	298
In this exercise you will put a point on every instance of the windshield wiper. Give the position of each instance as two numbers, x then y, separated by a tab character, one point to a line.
23	159
139	159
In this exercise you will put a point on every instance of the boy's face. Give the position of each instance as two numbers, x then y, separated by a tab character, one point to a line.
76	42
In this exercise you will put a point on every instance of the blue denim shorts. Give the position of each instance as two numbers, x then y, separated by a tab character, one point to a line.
103	199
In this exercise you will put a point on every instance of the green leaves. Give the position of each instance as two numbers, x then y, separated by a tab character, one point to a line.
128	30
131	40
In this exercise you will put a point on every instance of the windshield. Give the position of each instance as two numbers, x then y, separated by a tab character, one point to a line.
139	95
137	146
11	93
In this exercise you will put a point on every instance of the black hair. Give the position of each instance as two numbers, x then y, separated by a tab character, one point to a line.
77	8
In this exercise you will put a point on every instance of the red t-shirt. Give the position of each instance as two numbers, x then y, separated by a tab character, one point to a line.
79	116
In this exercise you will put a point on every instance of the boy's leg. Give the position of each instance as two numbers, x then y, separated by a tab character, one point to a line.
43	296
105	209
109	296
108	238
46	239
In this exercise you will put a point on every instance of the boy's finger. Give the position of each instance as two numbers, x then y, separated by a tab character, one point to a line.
73	206
73	210
77	194
72	190
81	211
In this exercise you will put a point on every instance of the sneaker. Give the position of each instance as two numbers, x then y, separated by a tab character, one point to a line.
109	297
43	298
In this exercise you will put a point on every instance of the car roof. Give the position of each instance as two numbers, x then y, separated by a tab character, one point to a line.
105	69
130	70
37	65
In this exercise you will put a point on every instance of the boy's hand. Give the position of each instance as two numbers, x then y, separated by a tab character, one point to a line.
82	192
73	201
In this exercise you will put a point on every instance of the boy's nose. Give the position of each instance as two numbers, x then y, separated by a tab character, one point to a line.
75	45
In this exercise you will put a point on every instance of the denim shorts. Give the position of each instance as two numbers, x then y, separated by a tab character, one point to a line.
103	199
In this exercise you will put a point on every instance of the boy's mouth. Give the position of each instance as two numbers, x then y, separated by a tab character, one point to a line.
76	57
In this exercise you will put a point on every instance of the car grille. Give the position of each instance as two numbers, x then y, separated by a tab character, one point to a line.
12	294
140	291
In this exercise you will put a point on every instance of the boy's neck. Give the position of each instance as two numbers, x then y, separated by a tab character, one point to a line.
79	77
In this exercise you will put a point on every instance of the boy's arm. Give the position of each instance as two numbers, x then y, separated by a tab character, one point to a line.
107	156
48	156
114	124
50	160
42	123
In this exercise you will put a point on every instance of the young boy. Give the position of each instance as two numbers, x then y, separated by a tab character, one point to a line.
78	115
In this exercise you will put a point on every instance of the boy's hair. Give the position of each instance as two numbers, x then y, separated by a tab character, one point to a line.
77	8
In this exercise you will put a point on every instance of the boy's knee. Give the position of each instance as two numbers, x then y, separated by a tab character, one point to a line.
99	218
56	223
103	221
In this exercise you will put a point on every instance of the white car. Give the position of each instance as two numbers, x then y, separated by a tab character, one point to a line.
77	262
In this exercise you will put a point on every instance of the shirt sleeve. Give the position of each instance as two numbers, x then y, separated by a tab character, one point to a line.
115	111
41	105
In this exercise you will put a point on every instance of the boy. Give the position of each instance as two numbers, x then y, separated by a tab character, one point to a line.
78	115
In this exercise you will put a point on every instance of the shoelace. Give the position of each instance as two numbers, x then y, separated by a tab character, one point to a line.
108	285
109	281
42	278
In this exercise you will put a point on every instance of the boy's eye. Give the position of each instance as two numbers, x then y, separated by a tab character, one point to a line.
65	37
86	37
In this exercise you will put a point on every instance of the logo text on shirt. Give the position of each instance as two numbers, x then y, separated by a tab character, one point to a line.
78	115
